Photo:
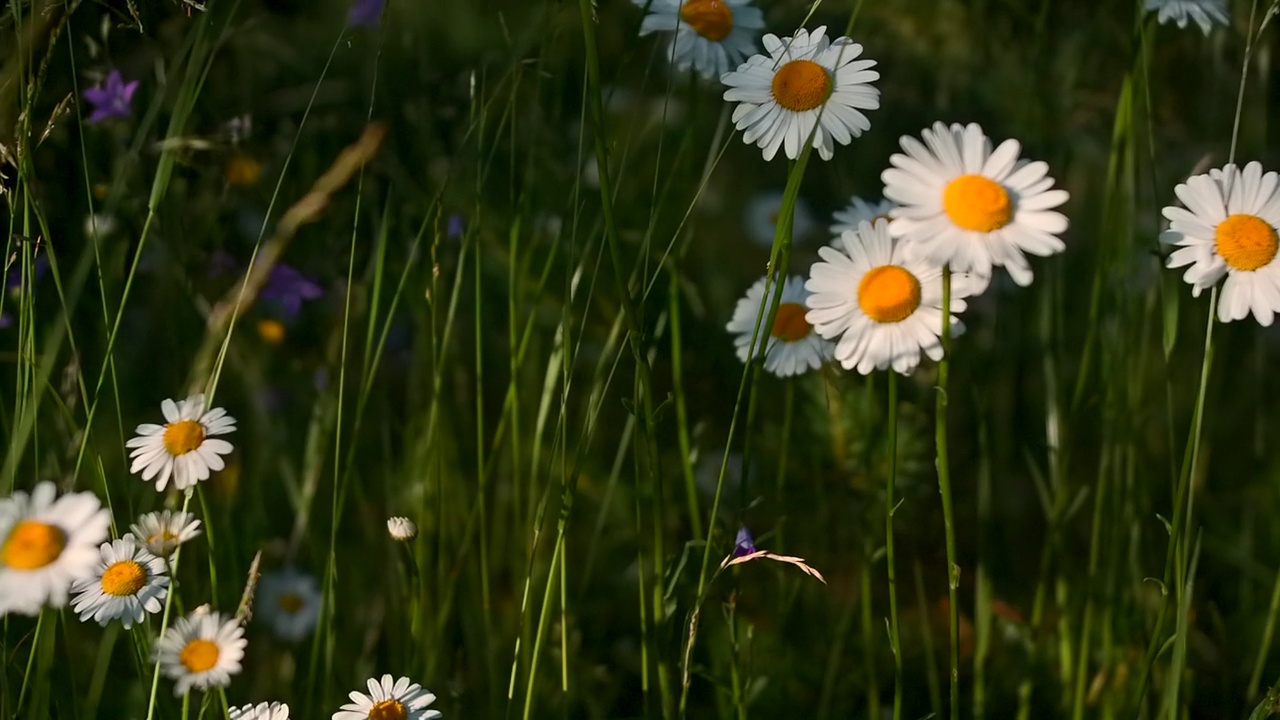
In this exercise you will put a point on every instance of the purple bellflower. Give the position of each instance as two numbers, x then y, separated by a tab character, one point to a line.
113	98
365	13
287	288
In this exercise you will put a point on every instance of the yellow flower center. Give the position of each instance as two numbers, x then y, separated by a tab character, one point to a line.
977	203
290	603
1246	242
199	655
183	436
888	294
32	545
790	325
272	331
801	85
712	19
124	578
388	710
242	170
164	536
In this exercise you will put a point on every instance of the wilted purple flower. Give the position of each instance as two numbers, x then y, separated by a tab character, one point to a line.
365	13
287	288
454	229
113	98
743	544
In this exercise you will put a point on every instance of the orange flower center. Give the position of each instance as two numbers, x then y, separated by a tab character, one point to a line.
199	655
1245	242
124	578
242	170
271	331
712	19
790	325
888	294
32	545
290	603
977	203
183	436
388	710
801	85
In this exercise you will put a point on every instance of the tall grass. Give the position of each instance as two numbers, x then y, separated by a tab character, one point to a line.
530	233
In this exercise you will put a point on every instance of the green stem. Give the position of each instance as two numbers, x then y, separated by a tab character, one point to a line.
889	509
944	488
1183	503
635	335
164	619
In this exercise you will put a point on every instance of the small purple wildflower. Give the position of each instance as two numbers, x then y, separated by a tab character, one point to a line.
14	279
221	263
365	13
743	544
5	320
113	98
454	228
287	288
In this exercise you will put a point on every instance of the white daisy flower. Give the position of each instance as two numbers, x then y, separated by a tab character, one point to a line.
48	544
1204	12
806	81
163	531
386	700
1229	227
128	583
883	307
183	447
793	348
761	219
858	212
401	528
201	651
966	205
261	711
289	601
711	36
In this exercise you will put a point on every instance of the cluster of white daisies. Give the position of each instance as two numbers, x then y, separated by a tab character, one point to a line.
57	549
955	204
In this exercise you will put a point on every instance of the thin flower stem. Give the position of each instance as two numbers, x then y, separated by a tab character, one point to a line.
944	488
788	403
889	509
164	619
1182	506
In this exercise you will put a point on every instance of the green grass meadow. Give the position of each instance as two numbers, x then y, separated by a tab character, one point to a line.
520	235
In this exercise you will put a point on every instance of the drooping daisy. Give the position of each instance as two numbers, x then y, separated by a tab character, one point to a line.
711	36
183	447
966	205
1204	12
389	699
859	211
883	308
761	219
793	347
289	601
49	542
1229	227
201	650
807	81
163	531
261	711
401	528
128	583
